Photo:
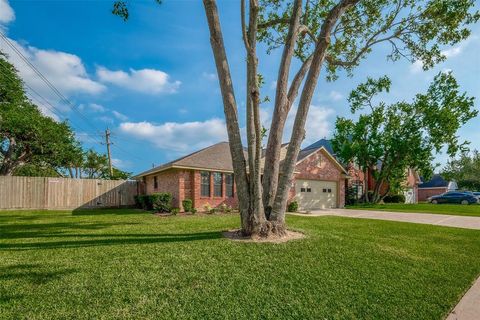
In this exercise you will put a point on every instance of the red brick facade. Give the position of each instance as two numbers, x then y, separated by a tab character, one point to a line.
425	193
358	177
186	183
320	166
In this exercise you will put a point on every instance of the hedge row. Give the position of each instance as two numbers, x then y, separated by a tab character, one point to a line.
160	202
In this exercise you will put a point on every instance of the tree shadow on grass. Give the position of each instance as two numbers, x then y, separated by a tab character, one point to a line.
107	211
32	273
91	240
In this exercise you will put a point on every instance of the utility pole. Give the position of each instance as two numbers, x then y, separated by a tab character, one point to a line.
107	142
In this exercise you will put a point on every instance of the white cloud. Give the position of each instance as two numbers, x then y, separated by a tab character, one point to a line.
416	67
176	136
335	95
451	52
318	123
121	164
96	107
64	70
149	81
105	119
454	51
7	14
119	116
210	76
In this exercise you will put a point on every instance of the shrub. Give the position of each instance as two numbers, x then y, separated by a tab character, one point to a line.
147	202
187	205
394	198
212	211
175	211
293	206
161	202
223	208
140	201
193	211
207	207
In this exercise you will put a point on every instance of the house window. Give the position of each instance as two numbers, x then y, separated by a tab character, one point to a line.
329	190
217	184
309	190
229	185
205	184
302	189
324	190
155	183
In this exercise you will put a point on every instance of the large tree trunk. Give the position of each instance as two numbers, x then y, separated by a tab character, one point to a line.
298	133
231	116
257	221
280	112
11	158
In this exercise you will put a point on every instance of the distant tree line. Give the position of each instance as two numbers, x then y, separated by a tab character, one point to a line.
33	144
465	170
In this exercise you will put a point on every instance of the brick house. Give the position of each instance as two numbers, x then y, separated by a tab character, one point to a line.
357	184
435	186
206	177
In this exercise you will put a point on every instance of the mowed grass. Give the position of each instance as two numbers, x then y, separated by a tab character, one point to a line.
472	210
125	264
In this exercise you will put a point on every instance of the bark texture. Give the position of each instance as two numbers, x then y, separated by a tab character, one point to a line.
283	102
298	132
273	194
230	110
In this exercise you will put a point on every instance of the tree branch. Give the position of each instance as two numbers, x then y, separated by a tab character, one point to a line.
244	28
297	81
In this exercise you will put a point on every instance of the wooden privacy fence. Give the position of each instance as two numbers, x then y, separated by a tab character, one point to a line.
65	193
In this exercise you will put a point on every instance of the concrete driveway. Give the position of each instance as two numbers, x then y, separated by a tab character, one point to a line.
423	218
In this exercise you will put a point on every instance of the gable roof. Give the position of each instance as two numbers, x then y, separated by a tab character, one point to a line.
327	144
437	181
216	157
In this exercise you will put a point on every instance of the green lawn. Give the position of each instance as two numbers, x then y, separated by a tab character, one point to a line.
129	265
453	209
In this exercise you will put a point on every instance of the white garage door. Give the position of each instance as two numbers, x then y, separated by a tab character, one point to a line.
316	194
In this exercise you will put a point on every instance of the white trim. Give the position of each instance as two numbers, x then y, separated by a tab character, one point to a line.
331	157
420	188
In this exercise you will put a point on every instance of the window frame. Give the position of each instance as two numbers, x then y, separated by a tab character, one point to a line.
229	186
216	185
155	182
203	185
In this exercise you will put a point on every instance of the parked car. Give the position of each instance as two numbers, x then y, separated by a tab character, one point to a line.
454	197
477	194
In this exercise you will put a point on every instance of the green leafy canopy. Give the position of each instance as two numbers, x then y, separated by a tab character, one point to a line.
390	139
412	29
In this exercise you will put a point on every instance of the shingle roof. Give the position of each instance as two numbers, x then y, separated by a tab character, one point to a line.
437	181
215	157
327	144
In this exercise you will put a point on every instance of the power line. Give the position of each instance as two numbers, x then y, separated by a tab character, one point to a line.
127	152
46	103
46	81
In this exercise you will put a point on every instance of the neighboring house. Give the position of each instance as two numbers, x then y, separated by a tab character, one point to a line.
356	182
206	177
435	186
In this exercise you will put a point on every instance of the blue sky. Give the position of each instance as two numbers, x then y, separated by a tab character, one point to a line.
152	80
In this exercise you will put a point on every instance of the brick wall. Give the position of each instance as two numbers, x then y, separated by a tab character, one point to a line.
199	201
185	184
319	166
167	181
423	194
